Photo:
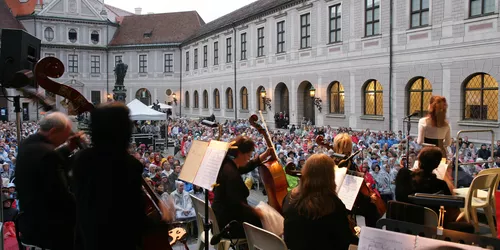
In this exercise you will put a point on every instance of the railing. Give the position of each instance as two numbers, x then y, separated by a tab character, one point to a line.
457	149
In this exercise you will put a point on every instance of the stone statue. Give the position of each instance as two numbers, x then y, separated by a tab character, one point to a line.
120	72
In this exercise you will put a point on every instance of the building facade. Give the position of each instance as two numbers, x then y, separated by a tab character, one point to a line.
343	49
365	69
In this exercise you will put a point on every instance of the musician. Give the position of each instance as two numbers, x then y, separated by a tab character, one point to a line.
434	129
364	205
110	215
47	206
230	193
423	180
315	217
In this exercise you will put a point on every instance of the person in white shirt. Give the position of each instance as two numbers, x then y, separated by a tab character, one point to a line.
434	129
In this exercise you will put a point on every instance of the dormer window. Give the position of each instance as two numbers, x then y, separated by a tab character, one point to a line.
72	35
94	37
148	34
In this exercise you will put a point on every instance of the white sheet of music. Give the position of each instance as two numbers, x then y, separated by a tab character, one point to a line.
340	174
423	243
210	165
374	238
349	190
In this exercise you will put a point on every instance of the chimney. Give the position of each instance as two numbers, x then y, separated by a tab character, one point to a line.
138	11
150	13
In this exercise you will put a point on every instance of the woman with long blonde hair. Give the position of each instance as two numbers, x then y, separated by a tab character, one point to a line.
315	217
434	129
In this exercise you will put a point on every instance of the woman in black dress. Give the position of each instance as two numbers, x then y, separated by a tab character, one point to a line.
315	217
230	193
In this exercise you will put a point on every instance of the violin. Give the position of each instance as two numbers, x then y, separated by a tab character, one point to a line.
364	190
272	173
51	67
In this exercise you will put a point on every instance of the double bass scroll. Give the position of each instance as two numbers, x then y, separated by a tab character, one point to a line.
272	173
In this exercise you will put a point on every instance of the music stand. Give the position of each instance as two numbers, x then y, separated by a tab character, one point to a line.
196	160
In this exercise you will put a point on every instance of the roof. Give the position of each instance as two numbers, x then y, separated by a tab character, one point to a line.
172	27
117	11
19	8
7	19
239	15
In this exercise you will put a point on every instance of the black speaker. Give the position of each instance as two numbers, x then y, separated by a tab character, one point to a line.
19	51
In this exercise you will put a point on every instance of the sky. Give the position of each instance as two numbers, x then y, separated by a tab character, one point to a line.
209	10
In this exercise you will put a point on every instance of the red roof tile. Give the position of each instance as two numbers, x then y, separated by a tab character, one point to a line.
21	9
7	19
164	28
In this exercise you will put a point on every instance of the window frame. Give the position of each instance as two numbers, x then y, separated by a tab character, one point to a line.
168	63
72	63
229	50
280	37
118	56
244	98
373	22
260	41
229	99
243	39
216	98
195	59
143	64
196	99
482	9
92	93
205	99
187	61
95	65
338	20
216	53
421	91
76	35
49	31
482	89
205	56
420	12
307	36
340	93
375	92
186	99
95	32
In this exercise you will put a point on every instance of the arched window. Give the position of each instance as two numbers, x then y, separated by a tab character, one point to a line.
144	96
229	98
186	99
419	96
196	98
244	98
480	98
336	98
260	99
216	99
373	102
205	99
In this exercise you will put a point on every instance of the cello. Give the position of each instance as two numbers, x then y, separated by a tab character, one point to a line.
271	171
51	67
365	190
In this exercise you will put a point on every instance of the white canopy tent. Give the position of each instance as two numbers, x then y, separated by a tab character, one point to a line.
162	106
140	112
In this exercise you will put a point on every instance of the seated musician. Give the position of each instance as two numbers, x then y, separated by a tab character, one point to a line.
315	217
364	205
423	180
230	193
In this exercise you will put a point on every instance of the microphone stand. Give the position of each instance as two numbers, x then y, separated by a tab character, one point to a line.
408	128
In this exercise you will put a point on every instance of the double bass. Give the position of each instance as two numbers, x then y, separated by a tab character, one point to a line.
364	190
272	173
52	67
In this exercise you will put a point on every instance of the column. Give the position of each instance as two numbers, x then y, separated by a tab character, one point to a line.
352	99
446	80
293	102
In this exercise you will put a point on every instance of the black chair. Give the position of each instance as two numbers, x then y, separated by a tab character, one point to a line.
431	232
408	212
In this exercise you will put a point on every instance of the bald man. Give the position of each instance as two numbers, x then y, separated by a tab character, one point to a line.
47	205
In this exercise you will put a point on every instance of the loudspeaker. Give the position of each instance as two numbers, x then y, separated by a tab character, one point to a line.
19	51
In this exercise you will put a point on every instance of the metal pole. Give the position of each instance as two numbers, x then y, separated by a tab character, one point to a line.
234	92
17	109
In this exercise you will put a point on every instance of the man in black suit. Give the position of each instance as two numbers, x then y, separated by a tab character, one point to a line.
46	203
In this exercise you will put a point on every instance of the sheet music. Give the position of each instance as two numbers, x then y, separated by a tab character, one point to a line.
423	243
210	165
349	190
378	239
340	174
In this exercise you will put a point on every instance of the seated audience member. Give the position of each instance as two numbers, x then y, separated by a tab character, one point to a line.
9	213
313	210
183	205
